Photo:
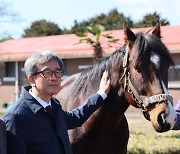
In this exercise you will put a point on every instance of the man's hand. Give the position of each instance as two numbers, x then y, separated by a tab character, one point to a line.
105	83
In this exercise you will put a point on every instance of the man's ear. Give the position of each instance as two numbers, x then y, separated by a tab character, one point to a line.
31	80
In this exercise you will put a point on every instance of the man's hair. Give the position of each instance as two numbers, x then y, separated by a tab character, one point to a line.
39	58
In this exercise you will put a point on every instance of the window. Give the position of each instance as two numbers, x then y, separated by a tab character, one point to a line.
83	67
174	77
10	69
9	72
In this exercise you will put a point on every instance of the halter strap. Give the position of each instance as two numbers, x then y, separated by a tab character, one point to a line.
156	98
142	101
125	63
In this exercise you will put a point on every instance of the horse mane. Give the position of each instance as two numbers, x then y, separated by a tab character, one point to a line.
90	77
145	45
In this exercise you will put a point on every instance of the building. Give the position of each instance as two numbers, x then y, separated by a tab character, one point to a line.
76	56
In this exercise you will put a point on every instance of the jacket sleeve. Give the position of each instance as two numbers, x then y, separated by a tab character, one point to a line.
14	130
79	115
177	123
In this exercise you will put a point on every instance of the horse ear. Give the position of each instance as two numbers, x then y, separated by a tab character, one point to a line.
157	30
129	35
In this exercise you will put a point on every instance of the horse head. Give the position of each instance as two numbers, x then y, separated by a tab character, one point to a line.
145	77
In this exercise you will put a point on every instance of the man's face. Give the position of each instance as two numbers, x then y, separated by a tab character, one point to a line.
48	81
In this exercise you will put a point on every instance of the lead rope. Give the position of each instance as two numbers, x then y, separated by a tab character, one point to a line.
134	93
125	62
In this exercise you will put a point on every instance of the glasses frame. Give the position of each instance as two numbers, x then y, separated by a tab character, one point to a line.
51	73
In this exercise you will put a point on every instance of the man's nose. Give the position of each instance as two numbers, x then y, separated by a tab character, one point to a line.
53	76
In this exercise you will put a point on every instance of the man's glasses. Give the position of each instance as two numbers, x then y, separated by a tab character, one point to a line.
48	73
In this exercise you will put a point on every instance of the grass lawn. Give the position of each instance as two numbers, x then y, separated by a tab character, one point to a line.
144	140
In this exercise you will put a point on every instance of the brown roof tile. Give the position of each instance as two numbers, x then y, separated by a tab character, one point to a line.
66	45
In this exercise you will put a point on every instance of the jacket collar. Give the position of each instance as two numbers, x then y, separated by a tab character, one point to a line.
33	104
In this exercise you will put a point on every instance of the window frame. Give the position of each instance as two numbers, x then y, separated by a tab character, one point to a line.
174	83
7	78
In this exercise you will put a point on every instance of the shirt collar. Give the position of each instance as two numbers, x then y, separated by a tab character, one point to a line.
43	103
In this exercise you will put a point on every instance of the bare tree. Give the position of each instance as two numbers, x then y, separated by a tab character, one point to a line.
7	15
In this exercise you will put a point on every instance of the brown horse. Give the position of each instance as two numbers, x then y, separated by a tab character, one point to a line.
139	77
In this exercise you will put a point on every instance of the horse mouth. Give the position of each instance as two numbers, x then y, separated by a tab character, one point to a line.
164	128
163	125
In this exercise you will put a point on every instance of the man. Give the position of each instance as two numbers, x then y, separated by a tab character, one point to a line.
177	123
31	129
2	134
2	137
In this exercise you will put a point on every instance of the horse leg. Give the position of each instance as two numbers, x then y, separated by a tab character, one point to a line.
124	135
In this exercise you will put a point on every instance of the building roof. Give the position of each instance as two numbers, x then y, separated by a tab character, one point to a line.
67	45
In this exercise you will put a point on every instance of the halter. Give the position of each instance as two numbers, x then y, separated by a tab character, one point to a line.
142	101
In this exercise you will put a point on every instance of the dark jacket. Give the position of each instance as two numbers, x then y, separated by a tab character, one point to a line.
2	137
177	123
31	131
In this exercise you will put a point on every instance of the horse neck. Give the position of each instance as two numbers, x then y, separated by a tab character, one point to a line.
116	102
108	118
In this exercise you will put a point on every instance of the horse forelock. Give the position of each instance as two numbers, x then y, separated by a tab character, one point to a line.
149	44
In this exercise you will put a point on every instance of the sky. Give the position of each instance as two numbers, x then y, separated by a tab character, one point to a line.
65	12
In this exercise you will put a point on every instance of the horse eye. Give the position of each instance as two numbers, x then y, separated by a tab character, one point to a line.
137	68
144	92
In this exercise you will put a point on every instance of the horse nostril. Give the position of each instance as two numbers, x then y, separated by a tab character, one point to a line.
161	118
